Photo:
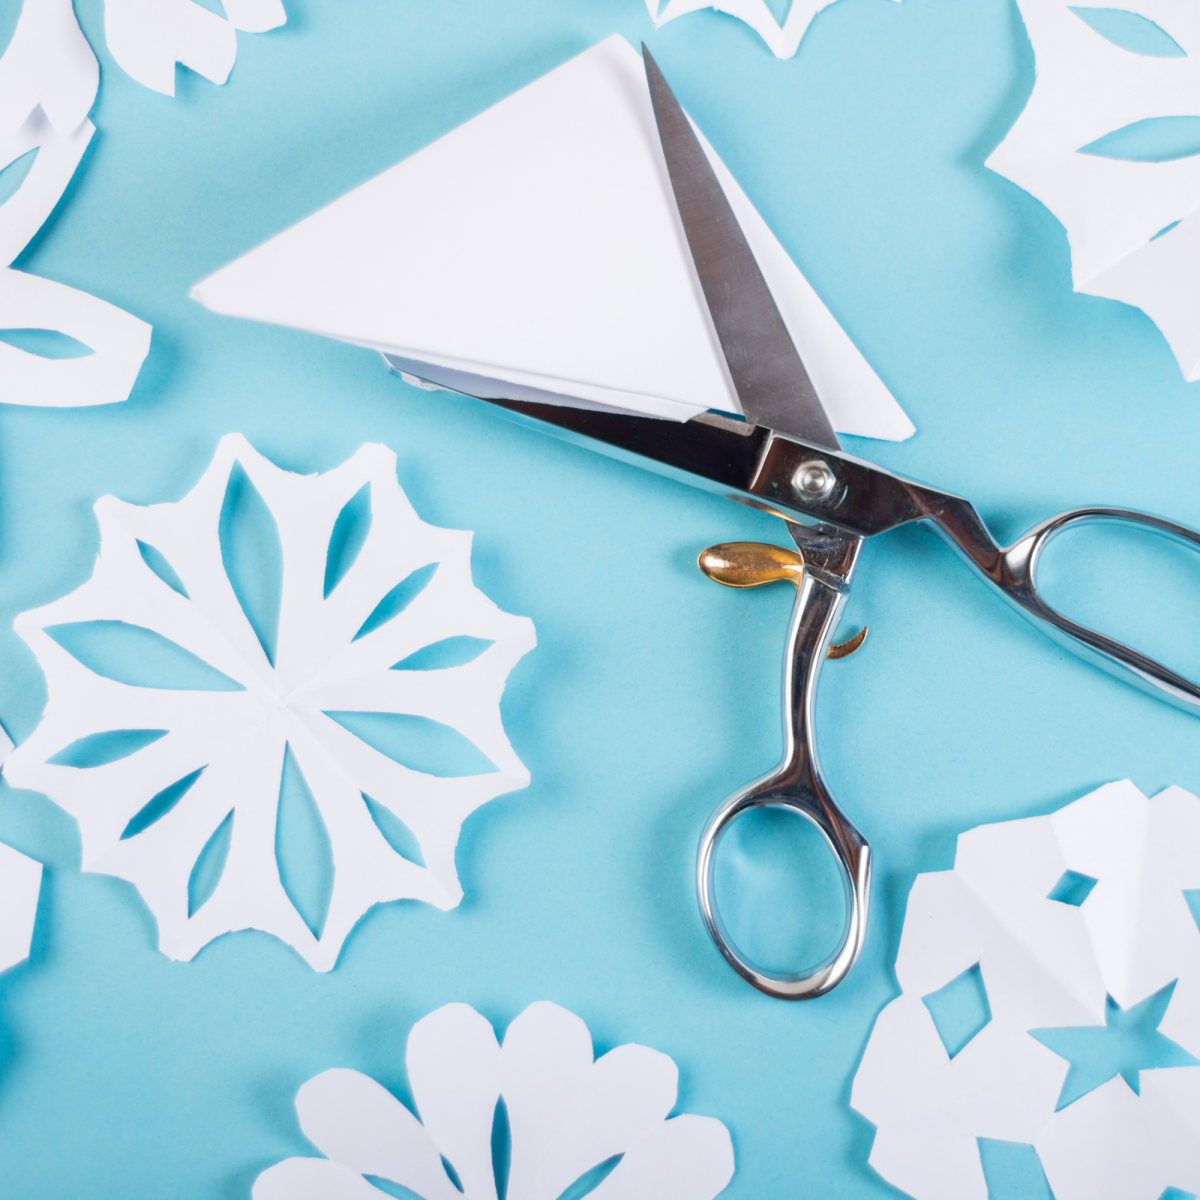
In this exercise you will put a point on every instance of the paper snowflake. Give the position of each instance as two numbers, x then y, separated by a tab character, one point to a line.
567	1116
148	37
782	38
1108	144
161	773
1079	927
48	81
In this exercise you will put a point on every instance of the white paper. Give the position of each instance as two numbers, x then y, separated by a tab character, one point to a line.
148	37
48	79
566	1115
1087	87
20	885
239	737
47	64
539	245
782	38
1045	964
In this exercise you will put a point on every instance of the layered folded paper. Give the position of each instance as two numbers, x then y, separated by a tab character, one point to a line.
538	248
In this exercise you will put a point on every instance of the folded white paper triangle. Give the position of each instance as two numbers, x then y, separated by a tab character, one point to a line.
538	246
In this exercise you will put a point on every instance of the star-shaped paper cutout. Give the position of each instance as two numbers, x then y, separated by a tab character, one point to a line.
1126	1044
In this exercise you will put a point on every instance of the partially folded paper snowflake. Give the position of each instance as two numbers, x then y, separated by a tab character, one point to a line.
1080	927
148	37
782	38
155	775
48	81
1108	144
568	1116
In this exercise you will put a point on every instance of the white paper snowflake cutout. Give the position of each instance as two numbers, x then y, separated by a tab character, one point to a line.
148	37
1048	965
782	38
1132	223
566	1116
236	739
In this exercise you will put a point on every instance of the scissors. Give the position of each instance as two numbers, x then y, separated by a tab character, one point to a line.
785	459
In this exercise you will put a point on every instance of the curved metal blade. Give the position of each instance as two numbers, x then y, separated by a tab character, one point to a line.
768	373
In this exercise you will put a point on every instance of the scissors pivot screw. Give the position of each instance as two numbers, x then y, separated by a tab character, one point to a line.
814	479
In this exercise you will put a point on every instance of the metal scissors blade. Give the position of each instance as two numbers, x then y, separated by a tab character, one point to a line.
786	461
767	371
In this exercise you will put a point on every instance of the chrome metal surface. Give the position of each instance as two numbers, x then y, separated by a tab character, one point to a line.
759	469
786	461
768	374
796	784
814	479
751	564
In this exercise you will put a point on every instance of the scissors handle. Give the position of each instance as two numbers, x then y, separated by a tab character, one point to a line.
797	785
1012	571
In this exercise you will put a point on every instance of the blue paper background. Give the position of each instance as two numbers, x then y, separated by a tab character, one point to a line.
652	692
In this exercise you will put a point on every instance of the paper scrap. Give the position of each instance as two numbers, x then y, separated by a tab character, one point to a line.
331	654
1049	965
48	79
567	1115
20	885
567	278
782	38
148	37
1131	220
48	64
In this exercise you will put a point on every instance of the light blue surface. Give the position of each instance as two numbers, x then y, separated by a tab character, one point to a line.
652	692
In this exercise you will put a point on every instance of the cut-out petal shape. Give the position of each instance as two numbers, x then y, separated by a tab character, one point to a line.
14	175
252	557
349	533
1092	1054
20	886
278	859
302	849
572	1111
157	562
1153	139
395	832
45	343
449	652
160	804
109	746
48	78
139	657
1131	31
398	599
417	742
209	866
